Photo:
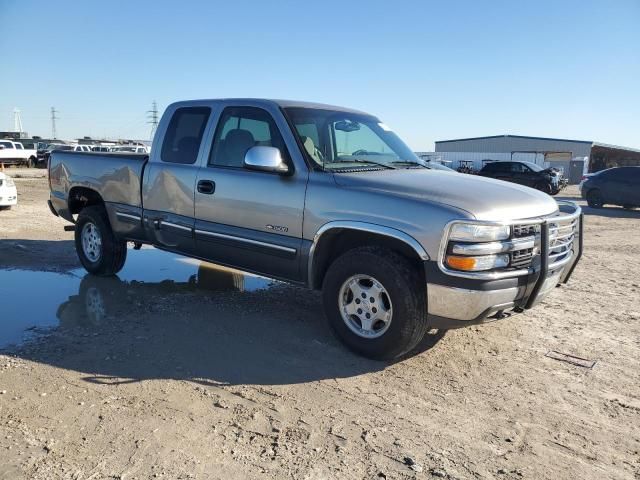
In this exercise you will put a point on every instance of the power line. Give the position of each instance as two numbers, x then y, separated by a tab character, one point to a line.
152	115
54	117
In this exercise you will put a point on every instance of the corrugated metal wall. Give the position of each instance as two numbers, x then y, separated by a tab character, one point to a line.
508	144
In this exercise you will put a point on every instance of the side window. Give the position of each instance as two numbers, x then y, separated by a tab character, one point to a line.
518	168
502	167
184	135
239	129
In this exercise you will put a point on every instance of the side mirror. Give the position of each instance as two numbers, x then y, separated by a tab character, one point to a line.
265	159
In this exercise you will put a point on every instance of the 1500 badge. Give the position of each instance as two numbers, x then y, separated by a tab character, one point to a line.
277	228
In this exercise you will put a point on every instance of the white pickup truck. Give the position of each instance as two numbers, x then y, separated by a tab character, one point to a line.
14	153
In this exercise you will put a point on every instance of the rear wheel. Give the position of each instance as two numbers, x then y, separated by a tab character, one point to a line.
594	199
99	251
31	162
375	302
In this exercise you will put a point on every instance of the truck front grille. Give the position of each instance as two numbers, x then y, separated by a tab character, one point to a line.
562	234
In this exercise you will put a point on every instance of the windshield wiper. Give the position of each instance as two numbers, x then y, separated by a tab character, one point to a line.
360	160
407	162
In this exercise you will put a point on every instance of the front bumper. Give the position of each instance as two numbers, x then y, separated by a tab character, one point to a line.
8	197
455	301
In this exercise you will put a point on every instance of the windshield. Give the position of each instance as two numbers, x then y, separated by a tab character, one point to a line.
534	167
336	140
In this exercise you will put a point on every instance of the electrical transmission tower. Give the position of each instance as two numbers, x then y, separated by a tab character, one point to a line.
152	115
17	121
54	117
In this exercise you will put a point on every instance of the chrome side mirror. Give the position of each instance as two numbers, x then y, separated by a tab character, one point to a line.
265	159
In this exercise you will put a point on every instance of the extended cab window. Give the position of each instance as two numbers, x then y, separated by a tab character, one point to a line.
239	129
184	135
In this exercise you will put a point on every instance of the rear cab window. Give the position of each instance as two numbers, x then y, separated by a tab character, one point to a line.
184	135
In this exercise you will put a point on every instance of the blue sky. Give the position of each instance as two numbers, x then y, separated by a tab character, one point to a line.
430	70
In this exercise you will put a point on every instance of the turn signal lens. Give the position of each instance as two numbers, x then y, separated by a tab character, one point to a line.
479	263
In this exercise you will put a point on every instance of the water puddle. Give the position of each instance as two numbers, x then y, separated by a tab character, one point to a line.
32	302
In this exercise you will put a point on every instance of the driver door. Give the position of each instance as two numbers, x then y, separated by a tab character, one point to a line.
246	218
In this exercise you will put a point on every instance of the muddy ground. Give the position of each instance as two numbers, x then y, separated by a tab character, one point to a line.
180	370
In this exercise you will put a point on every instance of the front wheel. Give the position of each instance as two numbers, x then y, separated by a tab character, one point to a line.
594	199
545	187
375	302
99	251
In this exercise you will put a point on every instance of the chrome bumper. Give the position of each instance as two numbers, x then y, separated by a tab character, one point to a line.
476	306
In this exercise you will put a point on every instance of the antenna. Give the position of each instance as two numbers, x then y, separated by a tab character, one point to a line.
17	121
54	117
152	115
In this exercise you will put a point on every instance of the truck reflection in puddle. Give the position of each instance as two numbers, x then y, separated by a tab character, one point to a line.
99	297
75	298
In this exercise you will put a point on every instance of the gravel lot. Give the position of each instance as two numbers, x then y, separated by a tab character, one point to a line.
218	376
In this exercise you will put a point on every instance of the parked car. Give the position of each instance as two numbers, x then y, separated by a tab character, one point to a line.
130	149
8	192
55	146
328	198
616	186
14	153
546	180
439	166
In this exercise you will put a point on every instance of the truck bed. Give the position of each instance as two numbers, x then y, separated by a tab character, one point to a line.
116	177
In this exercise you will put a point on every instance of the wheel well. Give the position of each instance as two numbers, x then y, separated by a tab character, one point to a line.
337	241
81	197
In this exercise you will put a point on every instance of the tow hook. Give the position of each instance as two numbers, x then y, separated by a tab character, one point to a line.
70	228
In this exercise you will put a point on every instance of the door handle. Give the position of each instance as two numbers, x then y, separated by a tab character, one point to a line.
207	187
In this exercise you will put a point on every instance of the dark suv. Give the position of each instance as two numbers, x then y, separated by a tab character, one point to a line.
617	186
547	180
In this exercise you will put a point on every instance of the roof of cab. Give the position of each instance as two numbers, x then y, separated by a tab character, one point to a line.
279	103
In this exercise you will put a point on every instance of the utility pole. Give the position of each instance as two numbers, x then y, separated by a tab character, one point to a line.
152	115
54	117
17	121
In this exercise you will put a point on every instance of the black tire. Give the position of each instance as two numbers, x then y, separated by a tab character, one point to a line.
406	292
545	187
594	198
112	251
30	162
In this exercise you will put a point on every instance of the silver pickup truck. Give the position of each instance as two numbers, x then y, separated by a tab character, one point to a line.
328	198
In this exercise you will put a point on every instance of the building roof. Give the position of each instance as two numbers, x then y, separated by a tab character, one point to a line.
516	136
615	147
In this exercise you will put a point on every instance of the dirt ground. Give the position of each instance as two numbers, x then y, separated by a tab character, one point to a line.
172	380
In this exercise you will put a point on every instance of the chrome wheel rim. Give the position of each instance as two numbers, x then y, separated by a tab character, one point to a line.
365	306
91	242
94	305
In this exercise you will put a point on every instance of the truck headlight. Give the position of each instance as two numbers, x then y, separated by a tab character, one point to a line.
479	247
470	232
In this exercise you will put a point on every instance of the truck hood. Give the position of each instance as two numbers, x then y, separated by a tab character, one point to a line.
484	198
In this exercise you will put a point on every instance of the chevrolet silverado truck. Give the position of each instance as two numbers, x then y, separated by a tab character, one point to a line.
327	198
